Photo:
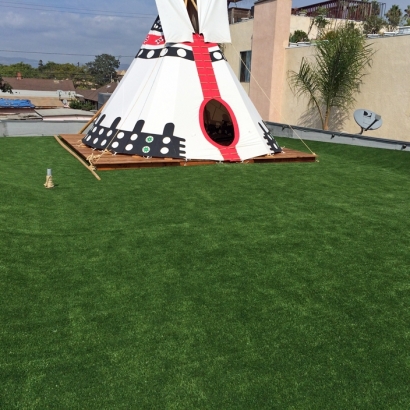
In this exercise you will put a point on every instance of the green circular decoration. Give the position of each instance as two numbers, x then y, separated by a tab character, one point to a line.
145	150
149	139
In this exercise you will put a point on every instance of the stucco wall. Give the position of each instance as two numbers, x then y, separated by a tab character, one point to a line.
304	23
270	37
386	91
241	34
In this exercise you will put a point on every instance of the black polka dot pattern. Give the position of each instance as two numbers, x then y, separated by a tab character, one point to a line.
217	56
175	51
171	51
135	142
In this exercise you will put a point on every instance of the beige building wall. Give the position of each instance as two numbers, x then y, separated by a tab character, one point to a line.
385	90
302	23
241	34
270	37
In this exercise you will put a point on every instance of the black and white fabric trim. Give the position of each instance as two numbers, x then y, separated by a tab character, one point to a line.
175	51
171	51
135	142
217	56
270	140
157	26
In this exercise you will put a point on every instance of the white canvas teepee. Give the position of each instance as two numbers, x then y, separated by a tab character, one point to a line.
180	98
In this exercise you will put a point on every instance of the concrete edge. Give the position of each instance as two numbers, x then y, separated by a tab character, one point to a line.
336	137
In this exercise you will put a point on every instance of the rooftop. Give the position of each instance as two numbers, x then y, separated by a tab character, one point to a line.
39	84
92	95
63	112
15	103
40	102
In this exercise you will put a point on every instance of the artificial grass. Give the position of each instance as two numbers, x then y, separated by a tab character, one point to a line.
246	286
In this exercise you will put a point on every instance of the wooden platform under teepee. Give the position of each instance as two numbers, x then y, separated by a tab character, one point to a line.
105	160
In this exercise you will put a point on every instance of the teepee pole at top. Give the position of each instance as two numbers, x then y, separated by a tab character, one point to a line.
194	4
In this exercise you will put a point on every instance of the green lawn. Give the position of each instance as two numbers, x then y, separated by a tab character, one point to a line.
246	286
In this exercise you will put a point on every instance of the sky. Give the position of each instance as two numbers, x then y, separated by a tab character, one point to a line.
75	31
84	28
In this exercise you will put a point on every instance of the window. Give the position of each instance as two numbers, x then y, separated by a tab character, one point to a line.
245	75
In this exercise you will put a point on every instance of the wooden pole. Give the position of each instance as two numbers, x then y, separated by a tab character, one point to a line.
194	4
89	167
91	120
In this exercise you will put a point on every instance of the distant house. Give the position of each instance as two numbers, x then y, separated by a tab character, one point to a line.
91	96
42	93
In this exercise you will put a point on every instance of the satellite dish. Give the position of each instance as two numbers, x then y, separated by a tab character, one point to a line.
367	120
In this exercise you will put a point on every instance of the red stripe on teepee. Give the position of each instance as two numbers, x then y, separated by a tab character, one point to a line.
152	40
210	91
203	63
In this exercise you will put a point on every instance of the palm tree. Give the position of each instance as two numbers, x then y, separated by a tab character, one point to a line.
375	7
394	16
373	24
332	79
407	15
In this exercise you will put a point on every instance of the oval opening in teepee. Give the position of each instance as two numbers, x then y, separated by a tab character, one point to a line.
218	123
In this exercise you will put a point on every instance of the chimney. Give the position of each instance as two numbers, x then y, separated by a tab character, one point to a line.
19	76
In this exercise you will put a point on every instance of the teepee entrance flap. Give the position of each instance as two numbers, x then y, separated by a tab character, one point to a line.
213	21
176	25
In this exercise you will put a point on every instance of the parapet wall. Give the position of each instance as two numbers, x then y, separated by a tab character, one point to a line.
29	128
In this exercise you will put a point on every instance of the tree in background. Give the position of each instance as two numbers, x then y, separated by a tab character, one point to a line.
373	24
407	16
375	7
5	87
103	69
99	72
394	16
26	70
319	20
66	71
335	75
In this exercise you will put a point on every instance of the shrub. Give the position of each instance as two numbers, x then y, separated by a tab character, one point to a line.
81	105
297	36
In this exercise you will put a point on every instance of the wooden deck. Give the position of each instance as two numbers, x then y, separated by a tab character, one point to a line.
105	160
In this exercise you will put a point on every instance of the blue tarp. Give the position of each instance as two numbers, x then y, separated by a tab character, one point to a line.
6	103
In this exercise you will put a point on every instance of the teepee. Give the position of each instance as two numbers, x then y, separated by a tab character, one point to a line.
180	98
